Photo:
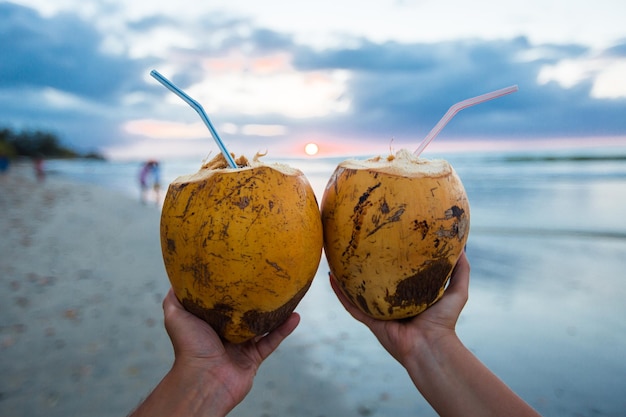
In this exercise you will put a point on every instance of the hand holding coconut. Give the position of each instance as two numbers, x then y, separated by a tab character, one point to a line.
449	376
241	240
241	247
394	235
393	230
395	227
224	235
209	377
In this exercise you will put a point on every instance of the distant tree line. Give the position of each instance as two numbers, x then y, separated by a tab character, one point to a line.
37	144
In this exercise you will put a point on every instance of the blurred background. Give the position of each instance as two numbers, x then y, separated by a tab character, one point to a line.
351	76
313	83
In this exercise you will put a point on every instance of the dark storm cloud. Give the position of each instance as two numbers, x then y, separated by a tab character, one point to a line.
61	52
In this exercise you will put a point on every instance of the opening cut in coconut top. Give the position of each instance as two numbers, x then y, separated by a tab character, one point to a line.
403	163
219	163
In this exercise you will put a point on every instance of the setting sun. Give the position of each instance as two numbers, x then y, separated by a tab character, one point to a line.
311	149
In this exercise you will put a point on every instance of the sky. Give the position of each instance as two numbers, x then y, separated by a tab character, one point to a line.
353	76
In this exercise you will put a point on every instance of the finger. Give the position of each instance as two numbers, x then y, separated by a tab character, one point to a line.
347	304
170	305
181	325
459	281
270	342
172	308
172	311
170	301
343	299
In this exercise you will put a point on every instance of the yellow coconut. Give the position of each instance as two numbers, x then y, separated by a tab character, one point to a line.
241	246
393	230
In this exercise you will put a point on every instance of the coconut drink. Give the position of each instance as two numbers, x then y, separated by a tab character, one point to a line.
241	246
394	228
241	240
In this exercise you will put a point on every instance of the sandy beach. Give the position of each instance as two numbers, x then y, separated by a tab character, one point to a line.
82	281
81	334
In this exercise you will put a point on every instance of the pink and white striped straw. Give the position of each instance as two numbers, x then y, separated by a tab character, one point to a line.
454	109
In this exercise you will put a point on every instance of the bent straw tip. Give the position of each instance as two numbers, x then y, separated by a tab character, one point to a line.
458	107
198	108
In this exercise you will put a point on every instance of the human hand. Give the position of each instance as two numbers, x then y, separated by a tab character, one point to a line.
202	359
402	338
447	374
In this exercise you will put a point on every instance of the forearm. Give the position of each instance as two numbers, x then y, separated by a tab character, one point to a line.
456	383
183	393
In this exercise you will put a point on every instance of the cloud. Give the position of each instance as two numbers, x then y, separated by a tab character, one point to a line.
60	52
91	85
403	89
55	76
369	56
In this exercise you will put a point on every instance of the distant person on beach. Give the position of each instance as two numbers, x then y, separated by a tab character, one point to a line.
150	177
38	164
210	377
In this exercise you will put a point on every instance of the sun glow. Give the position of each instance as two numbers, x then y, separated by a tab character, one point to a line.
311	149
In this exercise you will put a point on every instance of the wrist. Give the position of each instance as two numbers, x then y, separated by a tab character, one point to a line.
203	393
187	390
431	351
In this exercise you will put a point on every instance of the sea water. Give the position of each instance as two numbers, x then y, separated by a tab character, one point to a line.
546	311
526	192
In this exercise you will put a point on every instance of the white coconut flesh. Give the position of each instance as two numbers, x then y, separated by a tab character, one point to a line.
219	164
403	163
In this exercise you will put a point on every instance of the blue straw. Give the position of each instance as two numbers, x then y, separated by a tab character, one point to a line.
197	107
